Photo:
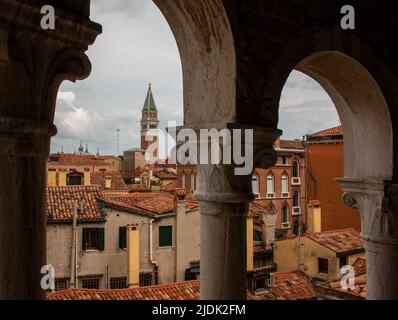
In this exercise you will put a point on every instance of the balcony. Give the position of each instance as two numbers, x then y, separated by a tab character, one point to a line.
296	181
270	195
296	211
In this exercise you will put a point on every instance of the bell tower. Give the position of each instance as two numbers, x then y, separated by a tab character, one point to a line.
149	123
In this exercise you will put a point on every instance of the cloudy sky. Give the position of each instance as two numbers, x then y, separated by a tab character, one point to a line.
137	47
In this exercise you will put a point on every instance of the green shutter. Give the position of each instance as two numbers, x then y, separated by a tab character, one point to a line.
84	239
122	238
101	238
165	236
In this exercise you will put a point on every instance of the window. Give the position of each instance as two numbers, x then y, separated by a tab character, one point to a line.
323	266
122	238
285	160
60	285
270	184
255	184
257	235
93	239
165	236
145	279
91	283
153	126
119	283
183	185
343	261
285	183
285	211
296	199
296	171
75	179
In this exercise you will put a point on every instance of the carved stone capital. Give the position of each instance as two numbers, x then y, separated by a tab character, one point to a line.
24	137
377	202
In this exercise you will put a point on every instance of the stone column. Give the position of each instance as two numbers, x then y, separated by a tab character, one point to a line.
24	147
224	199
33	63
378	203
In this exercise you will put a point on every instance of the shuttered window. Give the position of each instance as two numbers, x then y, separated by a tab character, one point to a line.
165	236
93	239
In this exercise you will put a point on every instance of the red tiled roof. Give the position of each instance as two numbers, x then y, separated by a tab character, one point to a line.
287	286
359	289
359	266
60	203
163	175
331	132
138	187
148	202
291	144
80	160
99	178
170	186
339	241
258	207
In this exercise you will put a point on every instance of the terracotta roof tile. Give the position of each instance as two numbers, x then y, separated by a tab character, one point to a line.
66	159
291	144
287	286
328	133
99	178
359	266
339	241
138	187
60	203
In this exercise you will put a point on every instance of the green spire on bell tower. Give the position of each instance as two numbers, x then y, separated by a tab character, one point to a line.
149	101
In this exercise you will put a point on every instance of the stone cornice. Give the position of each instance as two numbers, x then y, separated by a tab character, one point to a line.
70	30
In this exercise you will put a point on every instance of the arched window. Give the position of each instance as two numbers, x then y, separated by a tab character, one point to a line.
285	183
296	169
285	211
255	184
270	184
183	184
296	199
192	182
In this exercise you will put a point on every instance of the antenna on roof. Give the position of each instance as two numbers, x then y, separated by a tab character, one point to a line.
118	141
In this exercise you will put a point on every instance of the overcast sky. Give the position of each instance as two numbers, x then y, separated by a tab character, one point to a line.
137	47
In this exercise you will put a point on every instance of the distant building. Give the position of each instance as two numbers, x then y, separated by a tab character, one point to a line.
319	255
325	163
167	227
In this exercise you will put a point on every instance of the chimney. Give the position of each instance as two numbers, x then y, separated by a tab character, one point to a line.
249	241
133	256
62	177
87	177
51	177
108	182
181	230
314	216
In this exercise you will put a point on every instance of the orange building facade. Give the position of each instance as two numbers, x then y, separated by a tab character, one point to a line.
325	163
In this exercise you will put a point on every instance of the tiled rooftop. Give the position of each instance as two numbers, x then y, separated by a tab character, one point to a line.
359	266
170	186
328	133
290	144
99	178
287	286
65	159
138	187
339	241
60	203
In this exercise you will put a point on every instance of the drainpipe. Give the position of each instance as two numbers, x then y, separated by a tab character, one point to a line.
73	263
151	261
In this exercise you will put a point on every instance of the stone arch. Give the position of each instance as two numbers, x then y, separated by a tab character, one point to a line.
206	46
362	109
